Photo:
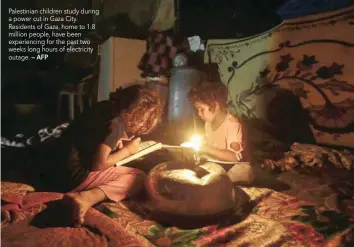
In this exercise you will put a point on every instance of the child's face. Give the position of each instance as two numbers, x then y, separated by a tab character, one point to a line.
204	111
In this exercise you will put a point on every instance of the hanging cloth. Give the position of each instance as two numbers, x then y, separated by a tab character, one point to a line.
165	17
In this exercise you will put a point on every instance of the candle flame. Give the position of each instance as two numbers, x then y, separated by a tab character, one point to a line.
195	143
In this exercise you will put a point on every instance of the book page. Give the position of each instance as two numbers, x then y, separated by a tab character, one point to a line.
145	148
146	144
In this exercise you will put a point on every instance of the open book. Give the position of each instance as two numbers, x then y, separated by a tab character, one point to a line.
146	147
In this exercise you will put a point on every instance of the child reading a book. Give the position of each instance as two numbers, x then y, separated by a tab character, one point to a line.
224	139
83	158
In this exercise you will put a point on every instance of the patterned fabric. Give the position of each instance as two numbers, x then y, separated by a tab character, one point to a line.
21	202
25	234
316	211
306	155
161	49
14	192
329	189
304	57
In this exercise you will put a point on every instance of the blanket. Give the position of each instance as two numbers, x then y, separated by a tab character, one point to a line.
307	155
309	56
314	212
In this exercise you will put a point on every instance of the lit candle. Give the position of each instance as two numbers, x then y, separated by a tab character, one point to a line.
195	143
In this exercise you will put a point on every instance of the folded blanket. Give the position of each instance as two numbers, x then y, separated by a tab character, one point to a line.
34	218
13	193
19	201
312	156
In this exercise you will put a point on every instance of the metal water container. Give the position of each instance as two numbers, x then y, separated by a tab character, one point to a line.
181	112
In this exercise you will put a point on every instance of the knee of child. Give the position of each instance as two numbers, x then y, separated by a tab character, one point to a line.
241	173
140	175
137	173
138	181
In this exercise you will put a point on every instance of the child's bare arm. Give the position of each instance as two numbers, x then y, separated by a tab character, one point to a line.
104	157
223	154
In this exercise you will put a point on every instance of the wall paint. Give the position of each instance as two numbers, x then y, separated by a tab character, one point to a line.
312	56
118	67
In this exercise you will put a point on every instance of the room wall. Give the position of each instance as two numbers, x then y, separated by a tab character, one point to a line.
140	12
310	56
128	53
119	64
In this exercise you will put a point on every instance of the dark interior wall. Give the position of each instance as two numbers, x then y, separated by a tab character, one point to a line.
206	18
63	4
37	4
227	19
8	78
32	81
114	18
121	26
5	5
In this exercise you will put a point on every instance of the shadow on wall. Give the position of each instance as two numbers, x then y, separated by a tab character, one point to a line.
287	123
289	119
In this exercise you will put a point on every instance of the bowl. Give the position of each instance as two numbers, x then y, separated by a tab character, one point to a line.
178	188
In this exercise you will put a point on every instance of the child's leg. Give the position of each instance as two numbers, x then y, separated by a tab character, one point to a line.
115	183
80	202
241	173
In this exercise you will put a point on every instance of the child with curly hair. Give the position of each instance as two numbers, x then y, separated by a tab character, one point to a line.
224	138
84	156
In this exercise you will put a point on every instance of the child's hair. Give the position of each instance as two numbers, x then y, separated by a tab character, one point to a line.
209	93
141	106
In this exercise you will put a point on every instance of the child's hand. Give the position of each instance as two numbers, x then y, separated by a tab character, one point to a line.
133	146
188	155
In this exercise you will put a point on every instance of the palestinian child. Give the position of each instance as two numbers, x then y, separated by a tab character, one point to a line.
224	138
